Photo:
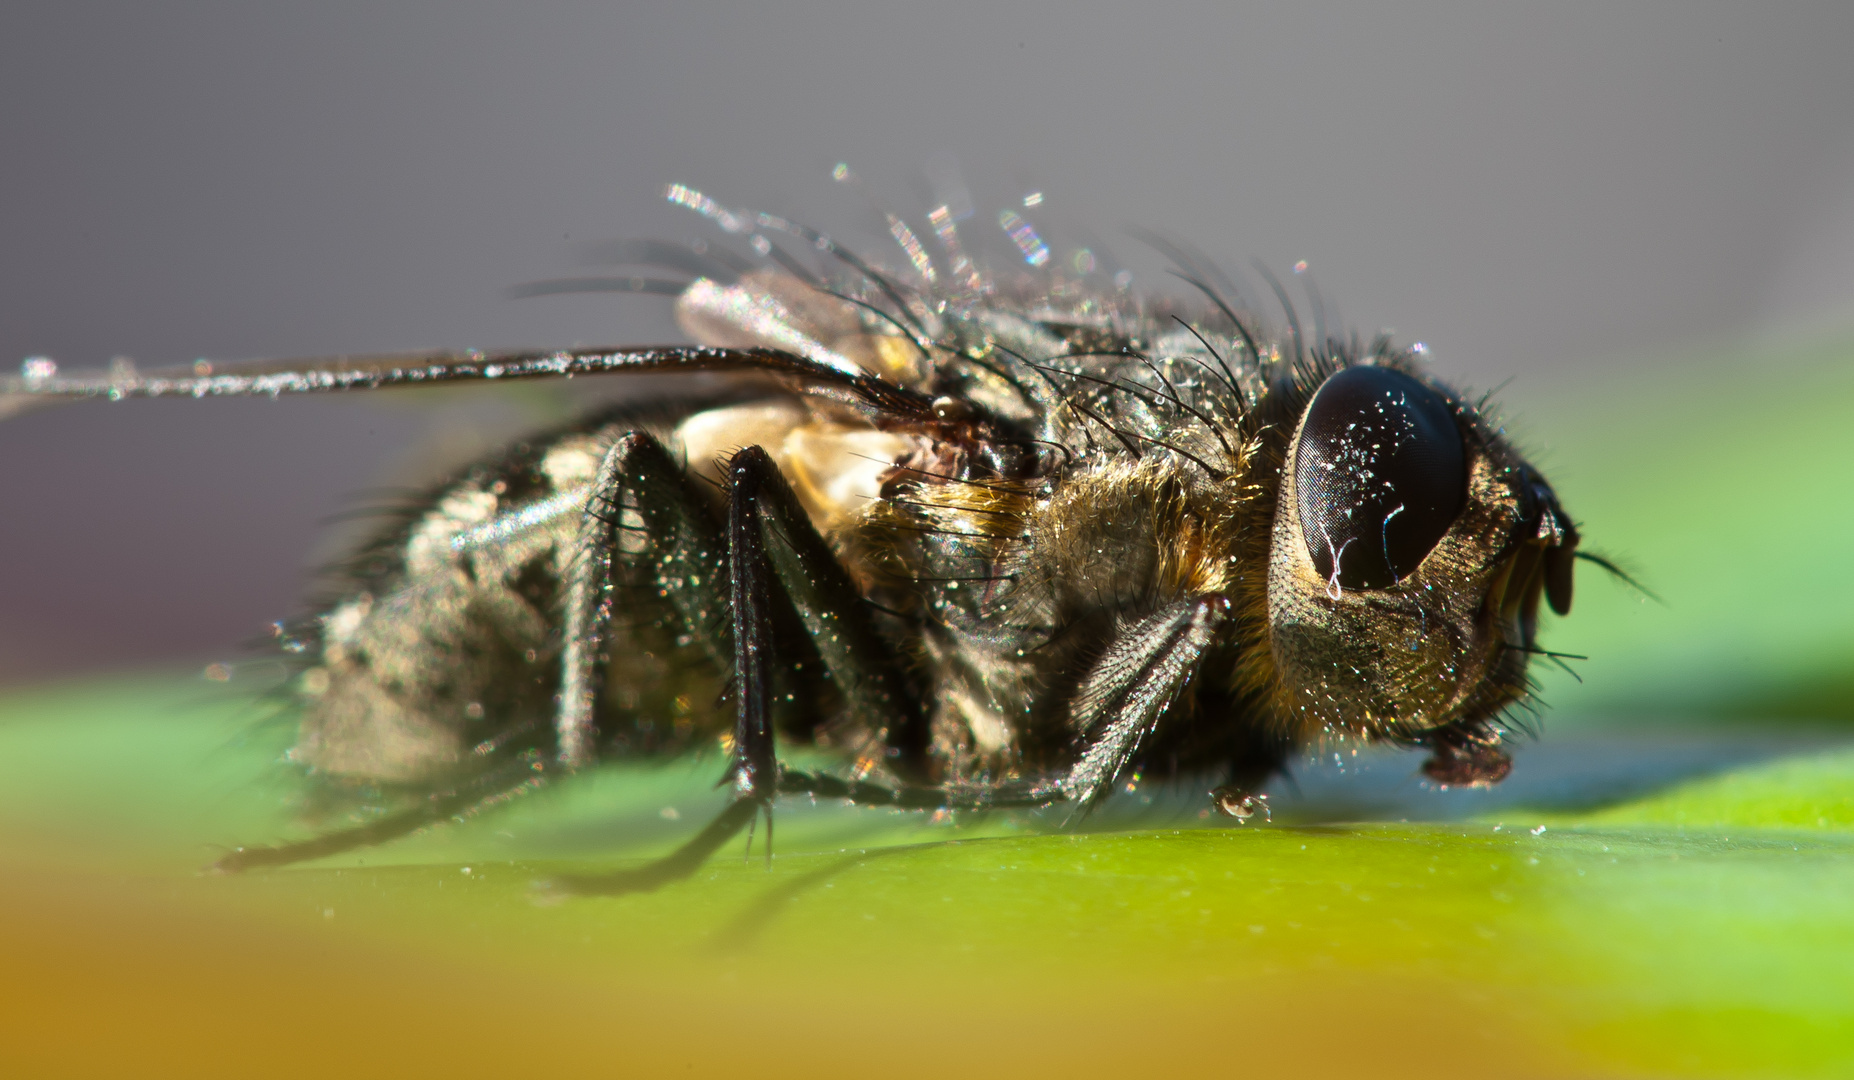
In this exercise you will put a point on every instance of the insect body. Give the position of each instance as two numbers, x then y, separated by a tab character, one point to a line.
1001	541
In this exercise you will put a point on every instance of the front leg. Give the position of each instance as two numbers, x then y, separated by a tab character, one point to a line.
1127	692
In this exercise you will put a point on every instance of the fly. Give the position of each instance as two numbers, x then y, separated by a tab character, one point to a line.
999	539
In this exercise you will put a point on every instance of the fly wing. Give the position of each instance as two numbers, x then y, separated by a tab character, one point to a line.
39	381
770	309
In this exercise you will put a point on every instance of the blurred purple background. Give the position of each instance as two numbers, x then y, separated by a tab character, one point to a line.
1530	192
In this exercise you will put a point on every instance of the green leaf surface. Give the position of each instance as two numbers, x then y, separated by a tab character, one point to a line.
1702	930
1718	478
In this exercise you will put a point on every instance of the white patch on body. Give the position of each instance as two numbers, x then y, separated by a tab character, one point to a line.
429	548
710	438
834	469
572	462
990	733
837	471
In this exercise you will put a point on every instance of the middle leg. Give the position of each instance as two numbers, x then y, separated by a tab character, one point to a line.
774	556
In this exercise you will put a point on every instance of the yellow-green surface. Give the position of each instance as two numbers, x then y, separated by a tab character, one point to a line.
1687	920
1723	481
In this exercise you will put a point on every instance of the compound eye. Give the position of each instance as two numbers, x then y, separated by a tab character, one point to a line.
1379	475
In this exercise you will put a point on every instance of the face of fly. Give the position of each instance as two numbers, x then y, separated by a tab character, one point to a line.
1410	549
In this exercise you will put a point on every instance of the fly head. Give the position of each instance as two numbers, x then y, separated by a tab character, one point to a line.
1410	549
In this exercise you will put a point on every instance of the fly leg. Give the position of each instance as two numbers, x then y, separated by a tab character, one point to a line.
1124	699
775	555
1125	696
687	555
778	550
1256	753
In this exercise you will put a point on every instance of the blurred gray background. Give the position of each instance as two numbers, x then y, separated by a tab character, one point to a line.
1533	192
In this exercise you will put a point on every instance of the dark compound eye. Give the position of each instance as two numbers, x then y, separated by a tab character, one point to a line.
1379	476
